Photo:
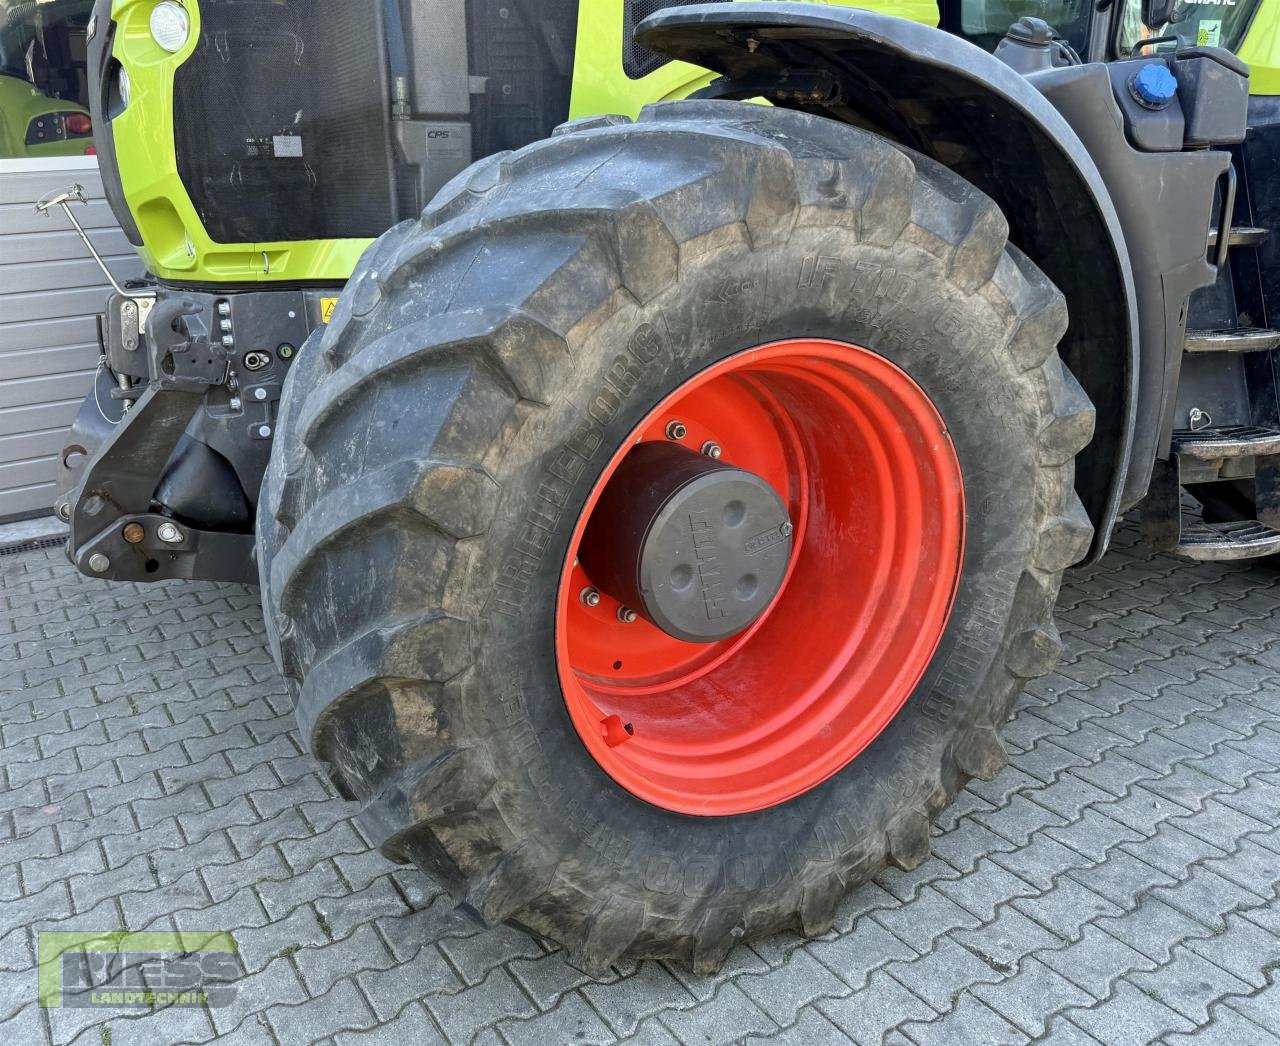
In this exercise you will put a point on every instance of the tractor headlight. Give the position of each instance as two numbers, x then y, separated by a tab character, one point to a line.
170	25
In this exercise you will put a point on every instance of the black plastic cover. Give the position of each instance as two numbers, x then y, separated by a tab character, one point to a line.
1214	94
100	68
523	52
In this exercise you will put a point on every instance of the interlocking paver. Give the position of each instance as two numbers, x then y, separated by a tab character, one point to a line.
726	1017
969	1022
1189	984
867	1015
1130	1015
1118	883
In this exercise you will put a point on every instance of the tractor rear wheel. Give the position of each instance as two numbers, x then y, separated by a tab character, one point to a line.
662	529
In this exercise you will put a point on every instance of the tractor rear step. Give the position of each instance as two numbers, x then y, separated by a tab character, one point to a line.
1239	539
1241	236
1228	441
1232	339
1207	456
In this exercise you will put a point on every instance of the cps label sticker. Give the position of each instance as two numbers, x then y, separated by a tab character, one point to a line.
327	305
286	146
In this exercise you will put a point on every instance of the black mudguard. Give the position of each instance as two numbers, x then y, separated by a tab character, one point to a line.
942	96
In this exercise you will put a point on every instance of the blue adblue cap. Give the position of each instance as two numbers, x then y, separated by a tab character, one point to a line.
1154	85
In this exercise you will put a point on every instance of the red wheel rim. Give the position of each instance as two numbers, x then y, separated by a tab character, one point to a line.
865	463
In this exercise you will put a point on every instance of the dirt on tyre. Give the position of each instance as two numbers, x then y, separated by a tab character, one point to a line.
662	529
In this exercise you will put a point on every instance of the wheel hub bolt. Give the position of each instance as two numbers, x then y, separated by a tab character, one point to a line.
590	597
99	563
169	534
713	450
676	430
134	533
626	615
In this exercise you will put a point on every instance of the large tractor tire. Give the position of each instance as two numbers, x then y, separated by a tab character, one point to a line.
661	530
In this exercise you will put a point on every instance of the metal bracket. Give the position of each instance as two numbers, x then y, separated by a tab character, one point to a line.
75	194
131	549
121	478
183	356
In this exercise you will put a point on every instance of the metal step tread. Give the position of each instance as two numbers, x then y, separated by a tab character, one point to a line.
1232	339
1241	236
1242	539
1227	441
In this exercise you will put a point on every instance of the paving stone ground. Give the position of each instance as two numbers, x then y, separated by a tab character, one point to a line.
1116	884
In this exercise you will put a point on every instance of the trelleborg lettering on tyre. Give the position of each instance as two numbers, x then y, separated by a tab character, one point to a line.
511	587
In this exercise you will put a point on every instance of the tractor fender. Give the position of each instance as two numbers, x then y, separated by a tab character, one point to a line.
942	96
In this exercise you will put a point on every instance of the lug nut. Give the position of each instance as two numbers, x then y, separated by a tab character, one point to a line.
676	430
265	431
228	341
627	616
134	533
169	533
713	450
99	563
224	308
590	597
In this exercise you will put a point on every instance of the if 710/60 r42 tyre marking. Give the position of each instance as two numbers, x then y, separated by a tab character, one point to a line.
483	366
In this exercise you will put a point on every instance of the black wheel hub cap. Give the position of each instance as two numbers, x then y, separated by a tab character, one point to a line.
693	545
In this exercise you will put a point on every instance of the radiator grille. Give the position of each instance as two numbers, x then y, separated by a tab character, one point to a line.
280	121
639	61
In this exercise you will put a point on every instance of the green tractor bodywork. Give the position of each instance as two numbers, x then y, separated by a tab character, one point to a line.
175	245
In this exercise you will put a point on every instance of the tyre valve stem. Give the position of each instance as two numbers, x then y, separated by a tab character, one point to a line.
615	731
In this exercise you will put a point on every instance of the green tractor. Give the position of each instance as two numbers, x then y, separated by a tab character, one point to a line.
659	430
41	54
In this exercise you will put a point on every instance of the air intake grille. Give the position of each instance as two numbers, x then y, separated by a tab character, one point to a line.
637	61
281	124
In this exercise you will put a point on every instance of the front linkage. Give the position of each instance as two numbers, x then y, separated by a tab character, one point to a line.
160	476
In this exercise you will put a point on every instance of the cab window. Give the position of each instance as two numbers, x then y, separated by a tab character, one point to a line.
1195	25
984	22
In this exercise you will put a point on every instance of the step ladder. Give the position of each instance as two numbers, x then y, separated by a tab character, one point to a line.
1204	452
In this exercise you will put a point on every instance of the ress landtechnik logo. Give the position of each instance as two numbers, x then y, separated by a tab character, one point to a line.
149	970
